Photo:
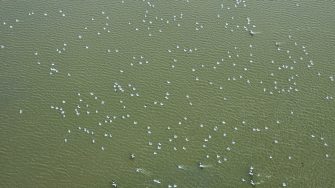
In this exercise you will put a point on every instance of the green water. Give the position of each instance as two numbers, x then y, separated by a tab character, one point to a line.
172	82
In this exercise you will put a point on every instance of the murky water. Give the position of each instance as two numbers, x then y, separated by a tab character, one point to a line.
184	93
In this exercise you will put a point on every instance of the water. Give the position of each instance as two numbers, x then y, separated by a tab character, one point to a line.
202	93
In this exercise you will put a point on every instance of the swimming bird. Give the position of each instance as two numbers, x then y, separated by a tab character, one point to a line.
114	184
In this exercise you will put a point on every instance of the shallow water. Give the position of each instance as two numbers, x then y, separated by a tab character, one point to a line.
237	86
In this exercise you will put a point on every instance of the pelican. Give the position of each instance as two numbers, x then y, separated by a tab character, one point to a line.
252	33
157	181
201	166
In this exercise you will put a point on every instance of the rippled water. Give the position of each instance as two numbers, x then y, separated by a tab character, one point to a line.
202	93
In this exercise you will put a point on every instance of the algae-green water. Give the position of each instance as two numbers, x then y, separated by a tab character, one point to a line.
154	93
